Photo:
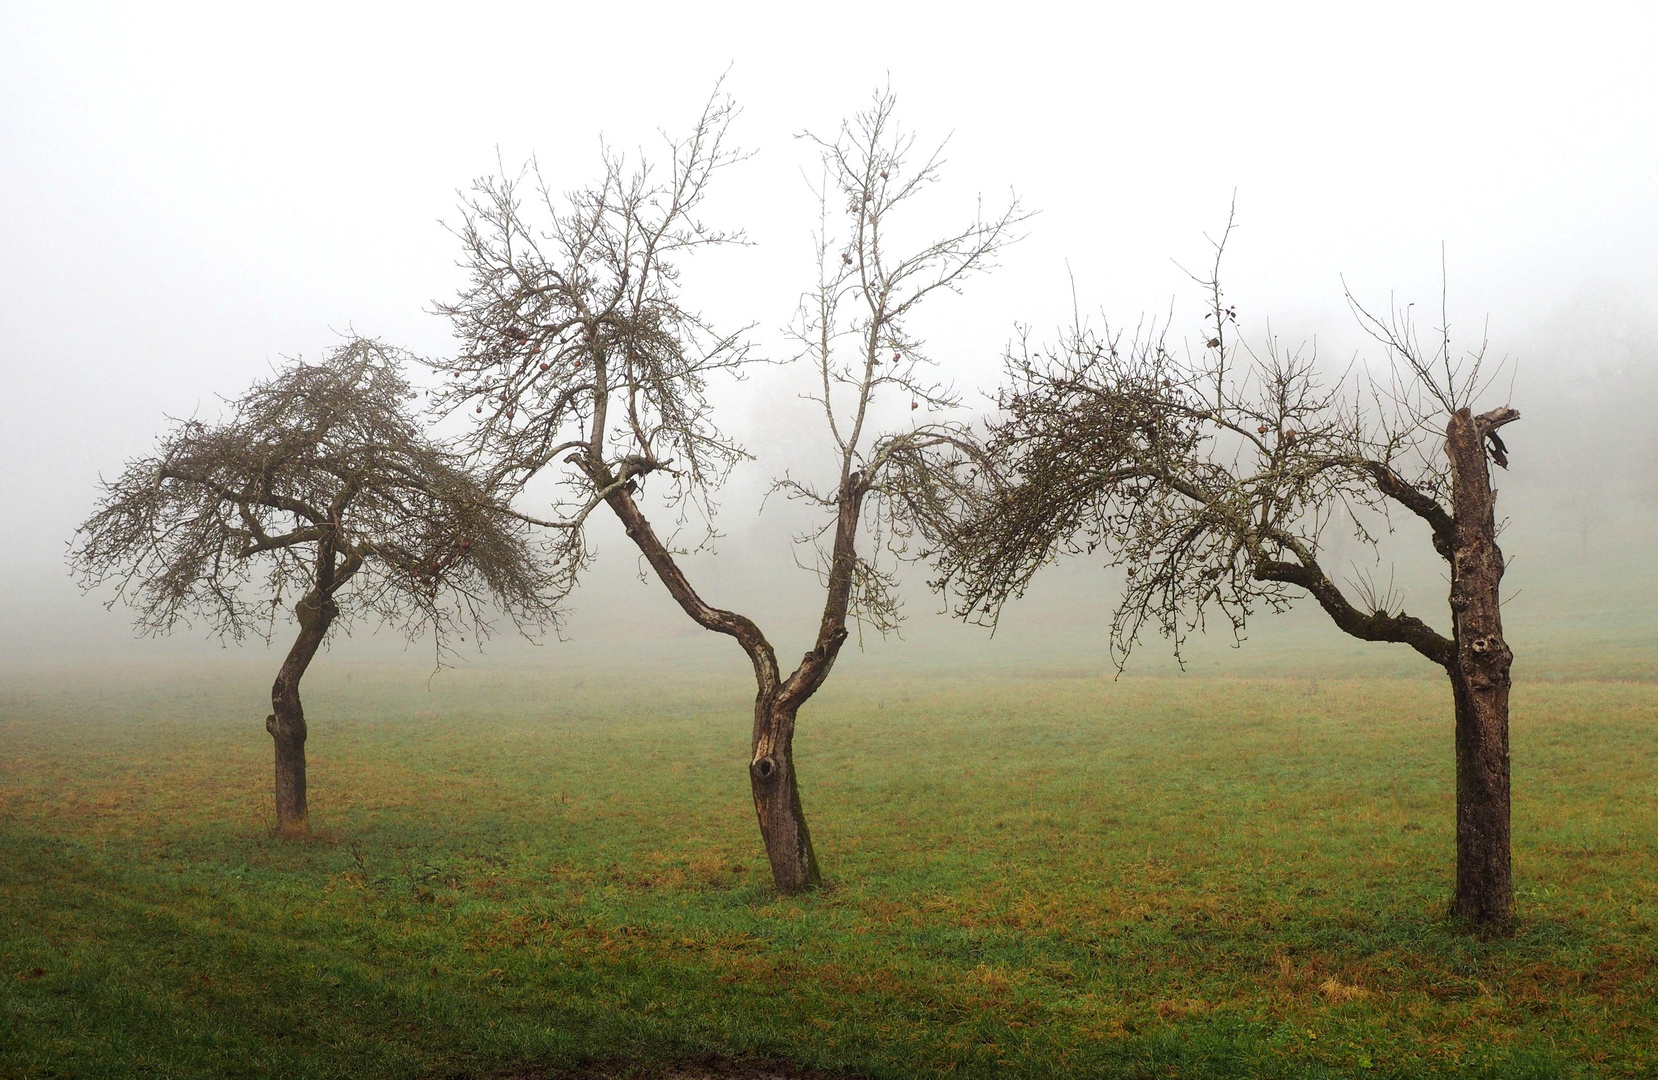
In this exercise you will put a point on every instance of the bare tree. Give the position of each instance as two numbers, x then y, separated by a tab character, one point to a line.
578	353
323	486
1214	473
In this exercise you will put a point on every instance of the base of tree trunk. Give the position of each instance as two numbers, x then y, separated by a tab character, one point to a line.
1481	923
292	817
1484	897
783	824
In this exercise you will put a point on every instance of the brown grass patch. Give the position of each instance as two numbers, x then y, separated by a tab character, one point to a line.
1339	993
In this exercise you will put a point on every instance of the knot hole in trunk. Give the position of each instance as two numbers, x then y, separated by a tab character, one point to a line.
763	768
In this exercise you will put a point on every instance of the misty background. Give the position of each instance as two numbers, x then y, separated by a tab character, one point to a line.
192	193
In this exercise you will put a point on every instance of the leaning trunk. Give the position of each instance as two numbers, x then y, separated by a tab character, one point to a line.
286	723
771	765
777	799
1480	681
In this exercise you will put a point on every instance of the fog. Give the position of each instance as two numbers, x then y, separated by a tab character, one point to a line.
191	195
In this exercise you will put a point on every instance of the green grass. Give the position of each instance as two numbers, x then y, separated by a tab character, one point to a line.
1039	877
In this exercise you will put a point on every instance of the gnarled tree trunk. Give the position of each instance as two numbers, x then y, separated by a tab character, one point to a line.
286	723
776	702
777	799
1479	678
771	766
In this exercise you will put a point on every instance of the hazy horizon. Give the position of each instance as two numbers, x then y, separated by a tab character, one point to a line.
195	195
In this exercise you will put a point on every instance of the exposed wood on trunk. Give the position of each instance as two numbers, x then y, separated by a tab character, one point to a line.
777	800
1479	677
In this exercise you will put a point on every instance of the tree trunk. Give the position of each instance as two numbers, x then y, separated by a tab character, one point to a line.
771	764
777	799
1479	679
1485	889
286	723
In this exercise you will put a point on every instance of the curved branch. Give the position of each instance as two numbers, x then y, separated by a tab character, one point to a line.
1377	626
740	627
1421	504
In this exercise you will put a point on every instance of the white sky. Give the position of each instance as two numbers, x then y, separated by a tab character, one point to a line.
188	193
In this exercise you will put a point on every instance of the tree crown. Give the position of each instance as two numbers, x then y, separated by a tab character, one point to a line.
575	344
321	483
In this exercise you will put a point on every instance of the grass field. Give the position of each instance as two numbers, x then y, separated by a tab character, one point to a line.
1027	878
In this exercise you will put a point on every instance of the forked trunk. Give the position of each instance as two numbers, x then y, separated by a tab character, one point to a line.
771	764
1480	681
286	723
777	800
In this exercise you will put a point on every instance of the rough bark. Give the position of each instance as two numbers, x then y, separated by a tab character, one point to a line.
776	790
286	723
1479	673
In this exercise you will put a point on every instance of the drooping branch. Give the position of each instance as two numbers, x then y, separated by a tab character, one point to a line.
321	482
1424	506
1211	474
